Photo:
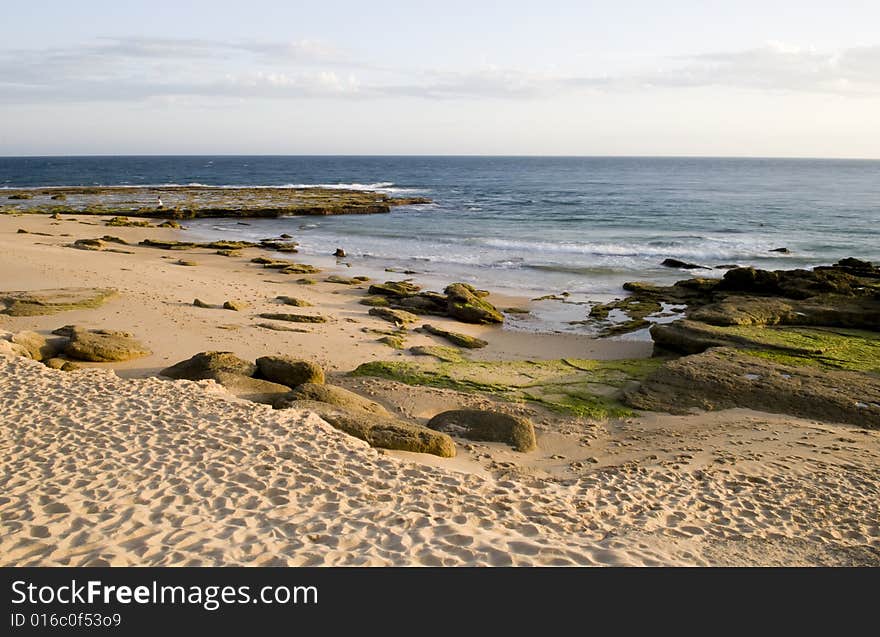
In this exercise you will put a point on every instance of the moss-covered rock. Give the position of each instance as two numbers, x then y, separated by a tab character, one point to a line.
447	354
456	338
290	371
586	388
723	378
332	395
394	341
490	426
52	301
292	300
300	268
206	365
103	346
398	317
341	280
125	221
375	301
394	288
465	304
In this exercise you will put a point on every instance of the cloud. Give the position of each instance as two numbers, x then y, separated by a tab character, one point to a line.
142	68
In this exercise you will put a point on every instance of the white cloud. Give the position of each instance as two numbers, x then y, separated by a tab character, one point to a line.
140	68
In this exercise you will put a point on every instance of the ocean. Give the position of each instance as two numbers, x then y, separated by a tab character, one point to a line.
531	226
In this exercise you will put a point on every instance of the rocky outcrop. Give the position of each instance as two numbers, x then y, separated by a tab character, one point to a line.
462	340
52	301
398	317
290	371
207	365
722	378
294	318
488	426
332	395
104	346
397	289
465	304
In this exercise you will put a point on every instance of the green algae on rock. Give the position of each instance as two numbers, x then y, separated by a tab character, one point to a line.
52	301
586	388
462	340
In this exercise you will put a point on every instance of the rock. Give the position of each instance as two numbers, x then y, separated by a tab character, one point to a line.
169	245
229	253
38	347
306	281
375	301
55	363
394	341
684	265
465	304
294	318
339	254
394	288
290	371
277	264
489	426
22	231
422	303
186	263
104	346
279	246
462	340
300	268
292	300
52	301
109	238
446	354
201	303
253	389
88	244
8	349
398	317
282	328
336	396
236	306
516	310
207	365
341	280
722	378
169	223
781	250
125	221
381	432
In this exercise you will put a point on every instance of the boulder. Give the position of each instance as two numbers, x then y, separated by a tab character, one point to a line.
375	301
339	254
290	371
88	244
464	303
722	378
336	396
8	349
395	288
253	389
462	340
684	265
236	306
398	317
489	426
207	365
38	347
292	300
102	346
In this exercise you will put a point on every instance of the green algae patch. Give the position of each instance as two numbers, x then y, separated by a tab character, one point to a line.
833	348
584	388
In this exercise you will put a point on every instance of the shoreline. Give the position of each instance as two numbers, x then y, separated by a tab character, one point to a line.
650	488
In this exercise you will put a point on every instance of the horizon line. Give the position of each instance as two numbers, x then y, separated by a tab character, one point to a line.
433	155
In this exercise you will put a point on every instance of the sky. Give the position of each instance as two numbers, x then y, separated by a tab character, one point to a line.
626	77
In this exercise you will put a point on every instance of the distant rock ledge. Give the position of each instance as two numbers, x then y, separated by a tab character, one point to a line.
191	202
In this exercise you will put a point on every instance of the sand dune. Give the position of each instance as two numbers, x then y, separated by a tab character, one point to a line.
101	470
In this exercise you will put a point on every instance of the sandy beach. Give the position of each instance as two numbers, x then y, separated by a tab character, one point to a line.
110	465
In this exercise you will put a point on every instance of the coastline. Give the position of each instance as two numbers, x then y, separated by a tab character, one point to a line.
648	489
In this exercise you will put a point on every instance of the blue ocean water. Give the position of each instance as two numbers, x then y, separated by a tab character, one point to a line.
533	225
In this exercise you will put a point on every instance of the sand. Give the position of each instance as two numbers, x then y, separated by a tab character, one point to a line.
113	467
